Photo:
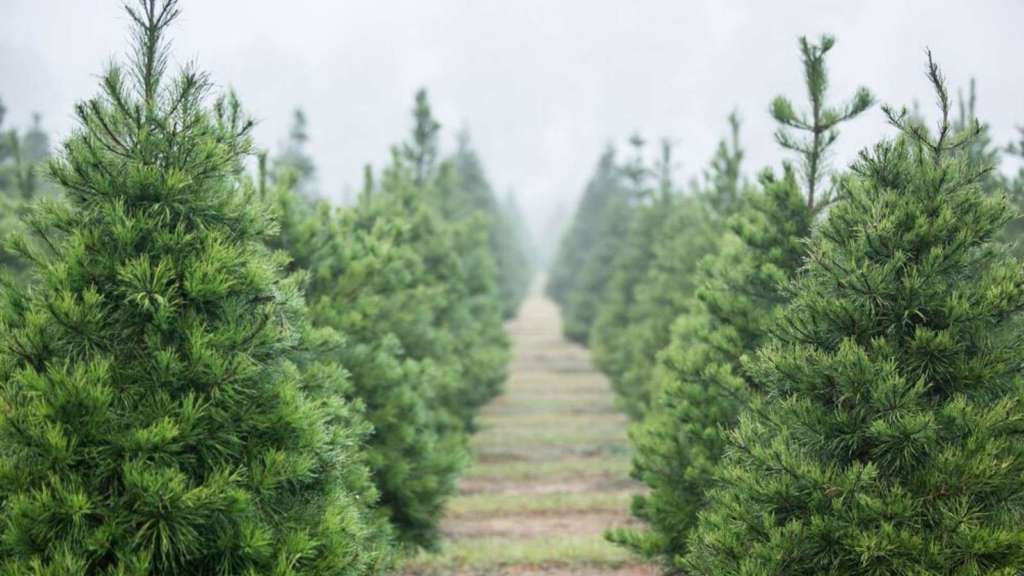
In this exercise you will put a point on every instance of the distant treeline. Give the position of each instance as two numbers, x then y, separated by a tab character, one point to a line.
824	366
204	368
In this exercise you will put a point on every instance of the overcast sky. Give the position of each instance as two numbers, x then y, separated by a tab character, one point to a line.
542	85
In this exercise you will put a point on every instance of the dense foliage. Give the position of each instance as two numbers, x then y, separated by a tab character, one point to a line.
204	372
886	442
22	157
829	470
210	371
158	413
700	386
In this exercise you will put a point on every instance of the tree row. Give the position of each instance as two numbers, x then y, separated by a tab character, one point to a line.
824	365
205	369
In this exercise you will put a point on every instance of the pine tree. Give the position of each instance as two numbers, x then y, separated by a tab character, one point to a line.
1014	231
152	419
887	439
609	342
701	387
513	247
293	159
699	381
467	195
588	294
361	279
421	150
689	233
583	233
819	123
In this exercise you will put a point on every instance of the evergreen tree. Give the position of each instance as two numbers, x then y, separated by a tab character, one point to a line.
820	123
513	248
699	381
152	420
1015	190
689	233
700	384
588	293
584	231
609	346
421	150
293	159
474	313
471	196
886	442
22	157
364	285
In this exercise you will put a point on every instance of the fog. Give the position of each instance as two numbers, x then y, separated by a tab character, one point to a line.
542	86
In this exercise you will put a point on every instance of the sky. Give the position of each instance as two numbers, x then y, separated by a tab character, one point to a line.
543	86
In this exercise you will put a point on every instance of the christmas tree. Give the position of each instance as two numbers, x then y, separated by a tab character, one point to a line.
158	412
700	380
886	442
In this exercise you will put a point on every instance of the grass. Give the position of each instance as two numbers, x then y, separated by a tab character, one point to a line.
554	470
477	553
490	504
495	438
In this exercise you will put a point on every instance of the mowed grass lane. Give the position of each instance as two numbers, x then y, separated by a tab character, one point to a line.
550	470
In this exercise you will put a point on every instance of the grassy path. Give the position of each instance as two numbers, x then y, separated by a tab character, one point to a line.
549	472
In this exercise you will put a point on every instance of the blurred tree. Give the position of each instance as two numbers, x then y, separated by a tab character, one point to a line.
700	385
293	158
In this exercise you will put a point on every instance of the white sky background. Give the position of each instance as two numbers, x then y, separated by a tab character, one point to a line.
542	85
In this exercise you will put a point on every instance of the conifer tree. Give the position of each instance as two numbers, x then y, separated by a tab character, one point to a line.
689	233
1014	231
588	294
513	248
609	343
700	383
294	160
421	150
152	419
468	194
583	233
365	285
819	123
886	442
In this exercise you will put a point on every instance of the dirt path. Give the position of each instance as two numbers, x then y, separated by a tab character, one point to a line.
550	468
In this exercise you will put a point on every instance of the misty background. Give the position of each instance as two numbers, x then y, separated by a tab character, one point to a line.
542	86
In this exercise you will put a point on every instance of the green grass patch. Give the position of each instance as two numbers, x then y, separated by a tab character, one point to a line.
513	437
498	504
479	553
565	468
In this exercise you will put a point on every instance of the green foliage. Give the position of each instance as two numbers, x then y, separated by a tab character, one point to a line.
688	233
408	278
821	123
1015	191
512	246
468	194
293	160
701	385
421	150
697	382
160	409
610	335
587	296
21	158
365	284
581	238
886	442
